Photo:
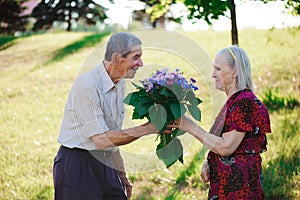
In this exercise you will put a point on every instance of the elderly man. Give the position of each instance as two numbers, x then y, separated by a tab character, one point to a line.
88	164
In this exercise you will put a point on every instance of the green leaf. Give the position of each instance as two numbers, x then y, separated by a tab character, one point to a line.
181	159
195	112
171	152
177	109
167	92
136	115
144	108
177	132
131	98
178	91
192	98
199	101
158	116
145	99
137	86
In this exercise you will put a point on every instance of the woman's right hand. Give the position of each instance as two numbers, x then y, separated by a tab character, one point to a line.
184	123
205	172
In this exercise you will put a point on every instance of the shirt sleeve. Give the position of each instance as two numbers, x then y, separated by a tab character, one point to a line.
241	116
88	112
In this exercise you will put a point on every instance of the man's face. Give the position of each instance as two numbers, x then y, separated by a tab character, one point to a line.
126	67
134	61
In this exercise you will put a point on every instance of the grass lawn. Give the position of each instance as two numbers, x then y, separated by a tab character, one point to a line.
37	72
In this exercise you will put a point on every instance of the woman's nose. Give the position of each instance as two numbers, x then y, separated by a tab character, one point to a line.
214	74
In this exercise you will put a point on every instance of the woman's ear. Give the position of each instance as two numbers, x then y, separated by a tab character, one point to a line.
234	74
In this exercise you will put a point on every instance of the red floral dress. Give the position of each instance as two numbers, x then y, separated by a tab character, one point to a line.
239	176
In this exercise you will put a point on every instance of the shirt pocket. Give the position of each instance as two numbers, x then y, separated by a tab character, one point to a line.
109	119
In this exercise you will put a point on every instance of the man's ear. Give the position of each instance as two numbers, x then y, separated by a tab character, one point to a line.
115	57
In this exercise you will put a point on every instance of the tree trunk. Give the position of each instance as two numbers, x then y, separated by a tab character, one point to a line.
69	27
234	31
154	23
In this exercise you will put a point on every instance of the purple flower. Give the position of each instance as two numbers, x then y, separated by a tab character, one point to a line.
169	82
185	85
193	80
195	87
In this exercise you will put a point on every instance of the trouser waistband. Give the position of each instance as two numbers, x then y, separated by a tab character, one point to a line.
86	153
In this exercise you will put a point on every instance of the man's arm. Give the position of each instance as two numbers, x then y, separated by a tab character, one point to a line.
114	138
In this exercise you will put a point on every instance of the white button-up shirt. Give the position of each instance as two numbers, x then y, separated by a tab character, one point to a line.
94	106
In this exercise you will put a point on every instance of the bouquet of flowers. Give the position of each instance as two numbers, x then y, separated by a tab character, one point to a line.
162	98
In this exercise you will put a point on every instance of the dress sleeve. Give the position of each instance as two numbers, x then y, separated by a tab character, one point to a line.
240	116
262	120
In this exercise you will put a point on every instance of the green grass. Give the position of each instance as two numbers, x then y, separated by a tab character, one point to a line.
37	72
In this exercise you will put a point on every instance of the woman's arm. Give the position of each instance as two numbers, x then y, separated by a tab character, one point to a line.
223	146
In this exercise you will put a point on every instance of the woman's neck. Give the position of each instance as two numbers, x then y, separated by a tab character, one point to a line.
231	91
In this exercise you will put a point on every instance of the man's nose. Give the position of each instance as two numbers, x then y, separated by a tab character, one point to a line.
140	63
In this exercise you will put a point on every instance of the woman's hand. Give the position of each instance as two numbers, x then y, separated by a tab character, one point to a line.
205	172
184	123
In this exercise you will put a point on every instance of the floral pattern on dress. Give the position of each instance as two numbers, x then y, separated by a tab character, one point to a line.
238	176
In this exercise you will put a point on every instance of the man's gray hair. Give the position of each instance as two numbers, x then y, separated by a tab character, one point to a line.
238	58
121	42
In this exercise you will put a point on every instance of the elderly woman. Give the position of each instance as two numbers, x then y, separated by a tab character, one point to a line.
238	136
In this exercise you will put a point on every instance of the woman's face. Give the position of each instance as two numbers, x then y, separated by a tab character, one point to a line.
224	74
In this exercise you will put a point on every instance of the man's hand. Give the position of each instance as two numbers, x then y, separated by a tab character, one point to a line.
126	183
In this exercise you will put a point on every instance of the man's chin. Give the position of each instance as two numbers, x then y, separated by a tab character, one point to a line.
131	75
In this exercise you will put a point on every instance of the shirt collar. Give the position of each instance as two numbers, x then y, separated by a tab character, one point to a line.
108	84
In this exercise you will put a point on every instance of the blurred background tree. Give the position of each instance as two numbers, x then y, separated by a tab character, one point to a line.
208	10
49	11
79	14
12	18
159	10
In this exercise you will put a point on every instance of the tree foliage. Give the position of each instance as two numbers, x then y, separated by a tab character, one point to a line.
11	18
49	11
211	10
292	5
158	9
206	9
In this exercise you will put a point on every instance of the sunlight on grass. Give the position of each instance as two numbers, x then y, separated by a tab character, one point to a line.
33	94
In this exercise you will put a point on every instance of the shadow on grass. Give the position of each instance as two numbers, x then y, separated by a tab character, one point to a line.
279	174
87	41
186	176
6	42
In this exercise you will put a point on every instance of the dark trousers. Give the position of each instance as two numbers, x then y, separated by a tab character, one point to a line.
78	175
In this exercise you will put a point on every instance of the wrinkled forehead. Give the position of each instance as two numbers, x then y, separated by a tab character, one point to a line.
137	49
